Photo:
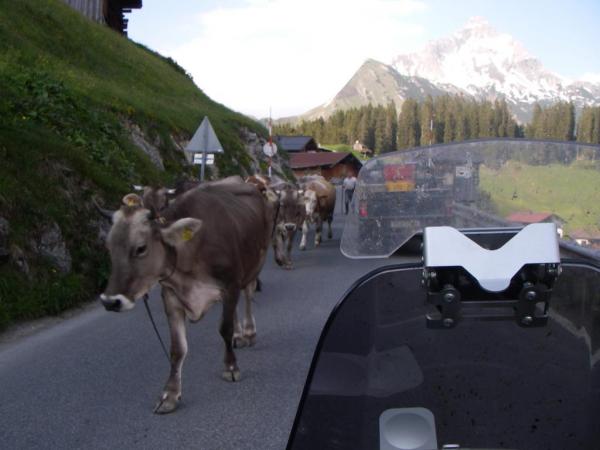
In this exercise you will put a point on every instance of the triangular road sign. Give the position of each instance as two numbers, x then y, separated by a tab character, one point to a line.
204	140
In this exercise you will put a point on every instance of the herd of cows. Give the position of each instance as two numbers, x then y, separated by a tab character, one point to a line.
205	243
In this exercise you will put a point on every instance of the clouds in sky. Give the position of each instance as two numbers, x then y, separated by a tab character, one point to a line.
293	55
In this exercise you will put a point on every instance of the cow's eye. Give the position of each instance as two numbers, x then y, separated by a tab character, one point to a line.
141	250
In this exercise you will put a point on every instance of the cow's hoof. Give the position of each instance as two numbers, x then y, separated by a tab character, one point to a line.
250	339
288	267
303	247
167	404
239	342
231	375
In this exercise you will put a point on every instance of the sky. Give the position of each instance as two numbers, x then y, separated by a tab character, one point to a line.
289	56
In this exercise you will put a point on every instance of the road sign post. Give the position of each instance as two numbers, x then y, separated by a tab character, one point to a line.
270	149
204	143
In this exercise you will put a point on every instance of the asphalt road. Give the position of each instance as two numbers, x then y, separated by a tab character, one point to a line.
92	381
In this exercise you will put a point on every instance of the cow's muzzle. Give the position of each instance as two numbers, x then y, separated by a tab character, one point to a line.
116	303
290	226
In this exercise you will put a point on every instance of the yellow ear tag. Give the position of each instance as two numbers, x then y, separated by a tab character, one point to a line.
187	234
131	202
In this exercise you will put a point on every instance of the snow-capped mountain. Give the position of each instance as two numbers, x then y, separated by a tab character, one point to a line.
475	61
486	63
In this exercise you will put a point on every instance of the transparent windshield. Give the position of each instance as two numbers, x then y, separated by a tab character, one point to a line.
501	182
382	379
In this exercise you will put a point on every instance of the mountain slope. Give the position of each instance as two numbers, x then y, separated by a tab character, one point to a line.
378	84
81	110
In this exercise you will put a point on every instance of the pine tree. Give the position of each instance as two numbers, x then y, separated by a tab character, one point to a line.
391	125
379	131
426	120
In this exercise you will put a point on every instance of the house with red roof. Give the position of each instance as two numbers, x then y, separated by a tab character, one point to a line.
586	238
331	165
307	158
528	217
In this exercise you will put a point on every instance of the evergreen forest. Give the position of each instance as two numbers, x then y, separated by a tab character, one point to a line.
445	119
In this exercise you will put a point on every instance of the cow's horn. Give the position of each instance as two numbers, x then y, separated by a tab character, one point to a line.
137	187
103	212
171	191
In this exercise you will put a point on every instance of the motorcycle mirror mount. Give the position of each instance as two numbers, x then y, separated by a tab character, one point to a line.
466	281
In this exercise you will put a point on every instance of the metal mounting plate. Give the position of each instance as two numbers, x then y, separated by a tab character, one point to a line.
493	269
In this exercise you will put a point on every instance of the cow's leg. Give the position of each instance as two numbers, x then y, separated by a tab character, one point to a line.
318	231
304	234
329	232
278	245
231	372
238	333
171	394
249	322
290	244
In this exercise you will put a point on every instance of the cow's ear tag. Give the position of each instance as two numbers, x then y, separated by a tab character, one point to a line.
187	234
132	200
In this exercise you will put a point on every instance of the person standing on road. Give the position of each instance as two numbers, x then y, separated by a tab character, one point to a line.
348	186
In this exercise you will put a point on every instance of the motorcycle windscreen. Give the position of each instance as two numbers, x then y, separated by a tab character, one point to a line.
381	379
490	183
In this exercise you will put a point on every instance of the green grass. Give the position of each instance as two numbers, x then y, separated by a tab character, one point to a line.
570	192
67	86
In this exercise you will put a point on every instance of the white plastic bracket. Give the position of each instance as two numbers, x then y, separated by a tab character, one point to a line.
493	269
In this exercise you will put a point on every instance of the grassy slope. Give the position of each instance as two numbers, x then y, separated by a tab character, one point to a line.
66	86
570	192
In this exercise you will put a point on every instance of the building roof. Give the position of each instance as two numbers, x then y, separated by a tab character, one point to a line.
584	234
295	143
305	160
529	217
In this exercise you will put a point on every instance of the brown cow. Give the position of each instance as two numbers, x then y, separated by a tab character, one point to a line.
319	200
288	204
290	215
211	245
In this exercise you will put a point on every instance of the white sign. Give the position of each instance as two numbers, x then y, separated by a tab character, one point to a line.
210	158
204	139
270	149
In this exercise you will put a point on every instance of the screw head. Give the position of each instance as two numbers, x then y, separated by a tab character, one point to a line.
449	297
527	320
448	322
530	295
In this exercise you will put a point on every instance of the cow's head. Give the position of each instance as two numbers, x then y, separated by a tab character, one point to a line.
139	251
155	199
291	208
311	200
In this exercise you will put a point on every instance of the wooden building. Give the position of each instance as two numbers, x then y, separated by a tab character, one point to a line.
295	144
109	12
362	149
526	218
331	165
586	238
